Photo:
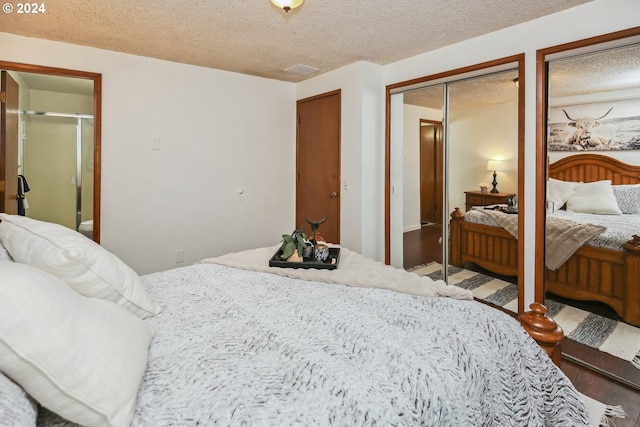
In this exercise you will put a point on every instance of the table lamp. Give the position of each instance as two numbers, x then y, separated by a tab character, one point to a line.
494	165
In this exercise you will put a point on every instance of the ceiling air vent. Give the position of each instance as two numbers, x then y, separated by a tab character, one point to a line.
302	70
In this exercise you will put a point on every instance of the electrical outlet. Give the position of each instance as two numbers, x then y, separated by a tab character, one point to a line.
155	143
179	256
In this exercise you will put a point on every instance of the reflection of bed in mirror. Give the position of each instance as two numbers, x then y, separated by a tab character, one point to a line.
599	270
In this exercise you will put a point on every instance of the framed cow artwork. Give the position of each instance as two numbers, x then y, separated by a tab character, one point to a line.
597	126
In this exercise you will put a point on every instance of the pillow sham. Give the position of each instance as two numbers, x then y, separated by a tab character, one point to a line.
594	197
17	408
559	192
80	262
4	254
628	198
82	358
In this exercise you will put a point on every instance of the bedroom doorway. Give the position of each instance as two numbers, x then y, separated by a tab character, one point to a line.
431	179
39	87
318	164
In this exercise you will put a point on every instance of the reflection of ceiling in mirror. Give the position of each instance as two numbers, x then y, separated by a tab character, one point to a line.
492	89
579	75
583	75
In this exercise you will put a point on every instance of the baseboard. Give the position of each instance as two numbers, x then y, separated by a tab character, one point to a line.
411	228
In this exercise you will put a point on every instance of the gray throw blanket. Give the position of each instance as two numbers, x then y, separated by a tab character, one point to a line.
564	237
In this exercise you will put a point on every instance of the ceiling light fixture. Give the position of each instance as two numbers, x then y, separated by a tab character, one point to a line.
287	5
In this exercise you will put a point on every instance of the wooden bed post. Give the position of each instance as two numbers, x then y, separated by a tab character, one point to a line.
632	268
543	329
454	239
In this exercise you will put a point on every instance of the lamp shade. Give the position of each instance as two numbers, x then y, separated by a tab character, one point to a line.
287	5
494	165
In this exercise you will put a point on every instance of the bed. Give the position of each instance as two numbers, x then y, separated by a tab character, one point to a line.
231	341
605	272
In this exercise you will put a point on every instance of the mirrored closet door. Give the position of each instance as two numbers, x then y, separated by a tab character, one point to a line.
454	142
591	142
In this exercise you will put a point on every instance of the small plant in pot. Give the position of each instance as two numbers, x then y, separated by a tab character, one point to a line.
294	246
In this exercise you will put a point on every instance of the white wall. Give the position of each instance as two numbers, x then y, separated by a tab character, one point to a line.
57	102
219	132
477	135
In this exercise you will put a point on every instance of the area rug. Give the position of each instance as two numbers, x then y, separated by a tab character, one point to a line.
608	335
600	413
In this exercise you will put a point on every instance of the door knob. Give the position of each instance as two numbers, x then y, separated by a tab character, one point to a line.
333	194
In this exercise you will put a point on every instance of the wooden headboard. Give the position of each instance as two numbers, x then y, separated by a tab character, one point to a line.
594	167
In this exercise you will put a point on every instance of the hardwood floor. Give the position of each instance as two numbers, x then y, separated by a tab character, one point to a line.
422	246
581	364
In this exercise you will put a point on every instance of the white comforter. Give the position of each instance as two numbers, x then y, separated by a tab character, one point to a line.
235	347
355	270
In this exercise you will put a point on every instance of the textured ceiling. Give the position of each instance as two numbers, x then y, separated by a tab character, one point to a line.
254	37
616	69
492	89
598	72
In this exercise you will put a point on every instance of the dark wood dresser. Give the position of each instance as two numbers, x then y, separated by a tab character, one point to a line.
478	198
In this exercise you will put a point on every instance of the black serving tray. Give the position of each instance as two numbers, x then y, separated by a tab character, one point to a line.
275	261
504	209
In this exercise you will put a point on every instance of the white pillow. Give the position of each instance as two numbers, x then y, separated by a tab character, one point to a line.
17	408
594	197
4	254
559	191
628	198
80	262
80	357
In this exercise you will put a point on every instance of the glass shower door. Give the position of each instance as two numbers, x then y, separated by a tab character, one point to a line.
58	166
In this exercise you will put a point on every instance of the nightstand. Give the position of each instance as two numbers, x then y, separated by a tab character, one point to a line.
478	198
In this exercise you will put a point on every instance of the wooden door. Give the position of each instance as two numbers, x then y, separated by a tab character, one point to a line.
431	163
318	164
9	97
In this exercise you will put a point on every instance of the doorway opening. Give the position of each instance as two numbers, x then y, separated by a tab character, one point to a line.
41	82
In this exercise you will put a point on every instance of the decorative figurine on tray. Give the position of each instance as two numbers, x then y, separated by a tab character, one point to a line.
299	251
315	235
320	250
294	246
